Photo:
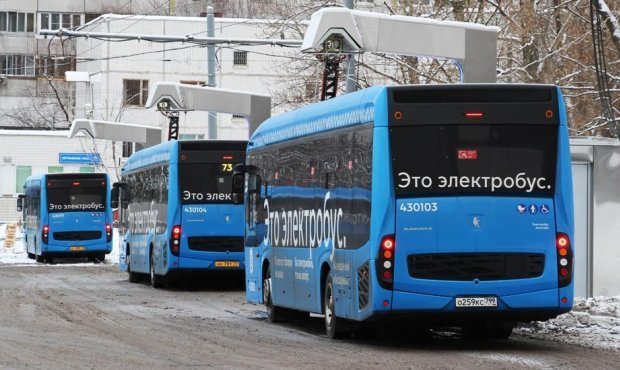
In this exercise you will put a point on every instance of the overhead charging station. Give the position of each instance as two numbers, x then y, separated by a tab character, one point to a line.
332	32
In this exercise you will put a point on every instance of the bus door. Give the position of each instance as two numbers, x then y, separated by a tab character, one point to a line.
254	231
474	206
119	200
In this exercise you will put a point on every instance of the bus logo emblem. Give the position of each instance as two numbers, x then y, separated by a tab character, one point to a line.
533	209
544	209
521	208
476	222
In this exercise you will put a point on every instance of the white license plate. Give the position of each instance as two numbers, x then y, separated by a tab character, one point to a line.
476	302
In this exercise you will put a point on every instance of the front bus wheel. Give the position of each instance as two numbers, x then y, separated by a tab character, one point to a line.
157	281
334	327
273	311
133	277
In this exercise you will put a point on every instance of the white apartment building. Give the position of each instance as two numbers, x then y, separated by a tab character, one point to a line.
121	73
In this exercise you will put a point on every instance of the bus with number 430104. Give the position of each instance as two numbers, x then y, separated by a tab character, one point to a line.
438	205
176	213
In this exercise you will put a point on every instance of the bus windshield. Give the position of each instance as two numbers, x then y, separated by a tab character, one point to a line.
205	182
459	159
76	195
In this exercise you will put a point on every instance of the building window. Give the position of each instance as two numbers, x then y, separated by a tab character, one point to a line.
17	65
54	21
135	92
240	58
127	149
16	22
55	169
191	137
87	169
21	174
54	66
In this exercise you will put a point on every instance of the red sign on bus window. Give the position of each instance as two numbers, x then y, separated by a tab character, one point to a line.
467	154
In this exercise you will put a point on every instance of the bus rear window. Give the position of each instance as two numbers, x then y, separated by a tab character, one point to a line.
76	198
504	159
205	182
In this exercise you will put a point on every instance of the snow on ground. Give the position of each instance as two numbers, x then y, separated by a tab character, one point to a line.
593	322
17	254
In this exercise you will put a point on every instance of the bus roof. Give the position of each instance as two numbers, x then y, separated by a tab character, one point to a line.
346	110
155	154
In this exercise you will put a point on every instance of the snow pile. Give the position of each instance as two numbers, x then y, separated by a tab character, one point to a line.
18	232
593	322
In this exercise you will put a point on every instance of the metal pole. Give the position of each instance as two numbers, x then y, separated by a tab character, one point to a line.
212	121
351	83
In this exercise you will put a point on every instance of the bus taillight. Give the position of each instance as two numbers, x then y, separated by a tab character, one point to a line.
385	262
108	232
45	234
565	259
175	240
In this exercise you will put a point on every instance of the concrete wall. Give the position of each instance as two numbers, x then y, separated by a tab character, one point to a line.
597	204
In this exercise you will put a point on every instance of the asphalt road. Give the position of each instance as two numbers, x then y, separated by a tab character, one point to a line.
68	316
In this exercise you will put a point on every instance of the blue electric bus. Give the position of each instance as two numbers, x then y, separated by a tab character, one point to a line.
65	215
436	205
176	212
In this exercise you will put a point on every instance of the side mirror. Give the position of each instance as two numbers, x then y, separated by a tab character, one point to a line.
237	188
20	202
114	197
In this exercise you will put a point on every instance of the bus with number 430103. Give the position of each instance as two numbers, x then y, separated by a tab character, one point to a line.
176	213
438	205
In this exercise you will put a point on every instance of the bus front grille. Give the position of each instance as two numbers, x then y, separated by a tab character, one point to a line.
481	266
215	243
76	235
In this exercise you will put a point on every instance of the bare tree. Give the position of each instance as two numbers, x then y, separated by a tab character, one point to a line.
545	41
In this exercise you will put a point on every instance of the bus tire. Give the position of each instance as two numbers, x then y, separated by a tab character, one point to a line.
157	281
100	257
38	258
334	327
502	332
133	277
30	255
273	311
